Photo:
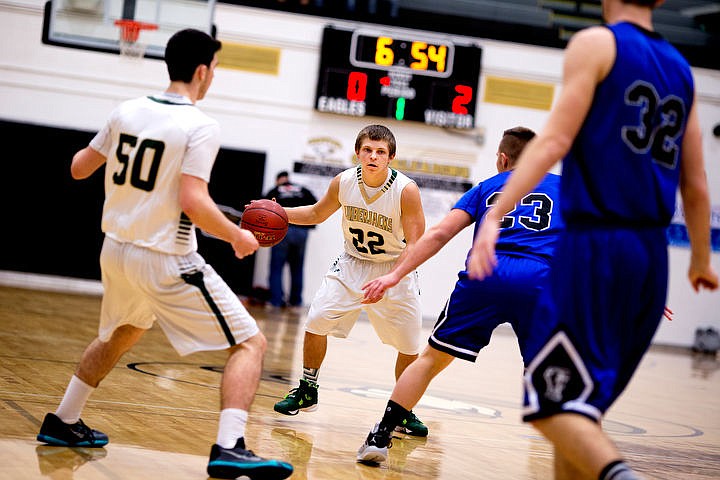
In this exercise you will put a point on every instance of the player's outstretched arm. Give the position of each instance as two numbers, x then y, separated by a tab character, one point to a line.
696	203
482	260
319	211
428	245
197	204
588	59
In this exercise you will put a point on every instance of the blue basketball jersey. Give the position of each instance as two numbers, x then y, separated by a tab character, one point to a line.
531	228
644	101
608	281
527	239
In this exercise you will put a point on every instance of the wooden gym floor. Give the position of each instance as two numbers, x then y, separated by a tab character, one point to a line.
160	410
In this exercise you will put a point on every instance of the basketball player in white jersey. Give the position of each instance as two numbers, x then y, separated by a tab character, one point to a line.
158	153
382	218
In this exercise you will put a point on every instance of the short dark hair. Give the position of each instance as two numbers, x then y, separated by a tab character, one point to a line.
281	174
186	50
377	133
643	3
513	142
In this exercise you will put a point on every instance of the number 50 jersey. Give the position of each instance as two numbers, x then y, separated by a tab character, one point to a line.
371	217
149	142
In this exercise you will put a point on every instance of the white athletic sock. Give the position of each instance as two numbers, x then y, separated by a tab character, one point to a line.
232	426
73	402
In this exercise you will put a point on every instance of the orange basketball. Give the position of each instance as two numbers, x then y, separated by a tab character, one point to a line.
267	220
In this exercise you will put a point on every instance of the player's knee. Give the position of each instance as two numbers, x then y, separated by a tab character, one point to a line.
257	343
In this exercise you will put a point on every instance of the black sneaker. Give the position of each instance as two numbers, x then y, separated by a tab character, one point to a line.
305	398
234	462
58	433
375	448
412	425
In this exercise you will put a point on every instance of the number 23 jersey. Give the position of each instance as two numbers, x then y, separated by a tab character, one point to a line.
371	217
149	142
531	228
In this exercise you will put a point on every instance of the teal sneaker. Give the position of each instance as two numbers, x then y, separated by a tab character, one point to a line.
412	425
305	397
234	462
54	431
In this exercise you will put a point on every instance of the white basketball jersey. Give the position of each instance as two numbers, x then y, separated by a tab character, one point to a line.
149	142
371	217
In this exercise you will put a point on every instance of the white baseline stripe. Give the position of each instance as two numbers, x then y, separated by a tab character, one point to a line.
51	283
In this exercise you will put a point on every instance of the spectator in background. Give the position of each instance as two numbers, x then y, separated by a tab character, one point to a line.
291	250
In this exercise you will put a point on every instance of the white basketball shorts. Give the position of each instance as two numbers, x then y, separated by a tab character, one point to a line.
192	304
397	318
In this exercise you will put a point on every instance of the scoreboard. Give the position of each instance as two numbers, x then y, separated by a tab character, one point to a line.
420	78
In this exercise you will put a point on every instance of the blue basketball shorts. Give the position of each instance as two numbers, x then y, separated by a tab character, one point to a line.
606	297
475	308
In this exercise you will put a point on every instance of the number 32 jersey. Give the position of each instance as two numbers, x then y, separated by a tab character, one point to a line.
371	217
624	166
149	142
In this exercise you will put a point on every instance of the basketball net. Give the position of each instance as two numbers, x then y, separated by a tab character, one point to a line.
130	47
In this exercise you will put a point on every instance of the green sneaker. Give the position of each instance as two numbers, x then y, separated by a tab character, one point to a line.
412	425
305	397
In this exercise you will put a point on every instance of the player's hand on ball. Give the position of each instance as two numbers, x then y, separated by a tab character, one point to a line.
245	244
263	199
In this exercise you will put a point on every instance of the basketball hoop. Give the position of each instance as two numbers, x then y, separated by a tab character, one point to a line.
129	35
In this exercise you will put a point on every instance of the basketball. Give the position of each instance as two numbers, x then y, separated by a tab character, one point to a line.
267	220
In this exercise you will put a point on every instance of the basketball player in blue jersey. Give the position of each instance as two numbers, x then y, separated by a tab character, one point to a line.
382	218
158	153
626	128
475	309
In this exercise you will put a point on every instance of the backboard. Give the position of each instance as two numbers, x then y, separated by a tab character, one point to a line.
92	24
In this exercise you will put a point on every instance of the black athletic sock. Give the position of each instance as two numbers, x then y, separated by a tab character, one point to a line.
617	470
394	415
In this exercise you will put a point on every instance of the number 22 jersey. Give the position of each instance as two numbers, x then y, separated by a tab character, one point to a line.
371	217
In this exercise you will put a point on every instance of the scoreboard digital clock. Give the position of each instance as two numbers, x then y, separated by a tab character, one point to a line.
421	78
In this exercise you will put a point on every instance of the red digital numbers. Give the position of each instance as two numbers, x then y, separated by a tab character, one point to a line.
357	86
465	95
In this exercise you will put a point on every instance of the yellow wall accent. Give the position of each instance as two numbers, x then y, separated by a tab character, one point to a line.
430	168
250	58
519	93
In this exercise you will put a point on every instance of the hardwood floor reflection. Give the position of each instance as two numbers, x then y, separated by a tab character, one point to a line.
160	410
